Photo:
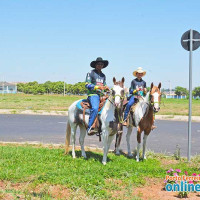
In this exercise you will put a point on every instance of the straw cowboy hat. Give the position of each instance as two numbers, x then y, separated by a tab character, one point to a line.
99	59
139	70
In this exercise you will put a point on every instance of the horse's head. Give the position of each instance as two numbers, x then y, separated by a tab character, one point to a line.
155	96
118	92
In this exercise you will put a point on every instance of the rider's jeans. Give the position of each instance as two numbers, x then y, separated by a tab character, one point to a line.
128	106
94	102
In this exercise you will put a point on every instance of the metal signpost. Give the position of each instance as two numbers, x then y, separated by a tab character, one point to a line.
190	41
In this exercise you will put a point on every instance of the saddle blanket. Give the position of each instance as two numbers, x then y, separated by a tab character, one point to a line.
87	111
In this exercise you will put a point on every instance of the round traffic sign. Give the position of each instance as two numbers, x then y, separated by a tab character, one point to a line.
185	40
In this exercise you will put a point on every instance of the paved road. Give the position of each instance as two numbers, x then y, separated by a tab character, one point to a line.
51	129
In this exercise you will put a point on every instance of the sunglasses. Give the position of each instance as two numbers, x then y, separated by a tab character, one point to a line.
101	64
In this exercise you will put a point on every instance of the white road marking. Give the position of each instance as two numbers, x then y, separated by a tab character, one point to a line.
62	122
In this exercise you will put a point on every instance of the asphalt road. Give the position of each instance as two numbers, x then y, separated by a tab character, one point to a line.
51	129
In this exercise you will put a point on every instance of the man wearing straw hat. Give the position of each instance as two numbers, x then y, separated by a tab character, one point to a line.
138	88
95	83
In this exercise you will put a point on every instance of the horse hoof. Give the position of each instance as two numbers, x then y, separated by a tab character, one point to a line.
137	159
104	163
84	156
117	153
130	155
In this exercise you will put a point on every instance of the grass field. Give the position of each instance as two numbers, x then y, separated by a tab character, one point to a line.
61	103
37	102
34	172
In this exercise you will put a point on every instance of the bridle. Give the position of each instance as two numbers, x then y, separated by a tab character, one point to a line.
122	97
152	102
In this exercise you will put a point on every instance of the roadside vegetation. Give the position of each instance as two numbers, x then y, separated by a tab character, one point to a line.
36	172
62	103
179	107
51	88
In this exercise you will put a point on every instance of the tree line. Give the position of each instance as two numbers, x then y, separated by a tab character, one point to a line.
183	91
79	88
51	88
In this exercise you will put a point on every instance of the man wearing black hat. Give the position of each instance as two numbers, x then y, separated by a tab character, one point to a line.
95	83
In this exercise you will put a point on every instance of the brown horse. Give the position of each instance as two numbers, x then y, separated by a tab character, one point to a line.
143	119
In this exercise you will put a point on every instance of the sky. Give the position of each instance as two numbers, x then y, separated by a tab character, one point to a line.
55	40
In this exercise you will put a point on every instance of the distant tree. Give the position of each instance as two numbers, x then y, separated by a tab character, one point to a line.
58	87
181	91
48	85
79	88
68	88
196	91
20	87
40	89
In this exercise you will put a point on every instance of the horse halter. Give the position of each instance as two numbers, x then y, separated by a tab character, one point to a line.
116	95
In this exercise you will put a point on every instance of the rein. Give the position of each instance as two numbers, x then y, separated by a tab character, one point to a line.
118	110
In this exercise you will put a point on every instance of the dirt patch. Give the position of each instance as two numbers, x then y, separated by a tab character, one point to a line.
168	162
10	190
154	190
119	189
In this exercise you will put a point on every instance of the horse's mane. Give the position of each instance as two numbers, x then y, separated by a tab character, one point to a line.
141	109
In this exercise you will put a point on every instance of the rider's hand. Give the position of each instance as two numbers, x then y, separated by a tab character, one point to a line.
145	90
106	88
137	89
101	87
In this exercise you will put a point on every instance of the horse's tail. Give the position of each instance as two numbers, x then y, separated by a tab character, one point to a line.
68	136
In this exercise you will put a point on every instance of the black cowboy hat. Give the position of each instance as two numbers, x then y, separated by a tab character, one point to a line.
99	59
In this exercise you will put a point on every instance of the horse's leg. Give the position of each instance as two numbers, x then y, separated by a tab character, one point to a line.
81	140
68	136
138	143
107	142
105	146
73	138
118	139
144	144
129	131
110	139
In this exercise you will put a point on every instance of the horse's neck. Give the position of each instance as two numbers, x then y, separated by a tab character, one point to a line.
109	108
149	114
142	109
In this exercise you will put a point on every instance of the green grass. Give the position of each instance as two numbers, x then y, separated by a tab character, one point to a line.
178	107
37	102
39	166
61	103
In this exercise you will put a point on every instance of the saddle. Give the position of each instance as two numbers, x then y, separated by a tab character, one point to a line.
86	105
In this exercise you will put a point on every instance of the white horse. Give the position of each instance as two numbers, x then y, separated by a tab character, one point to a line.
107	118
143	119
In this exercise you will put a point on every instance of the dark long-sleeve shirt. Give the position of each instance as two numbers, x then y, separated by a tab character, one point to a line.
136	83
93	80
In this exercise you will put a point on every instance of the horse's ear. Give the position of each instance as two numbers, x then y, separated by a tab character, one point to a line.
159	86
114	80
151	85
123	80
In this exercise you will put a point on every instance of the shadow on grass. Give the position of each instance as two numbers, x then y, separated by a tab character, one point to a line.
134	153
90	155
